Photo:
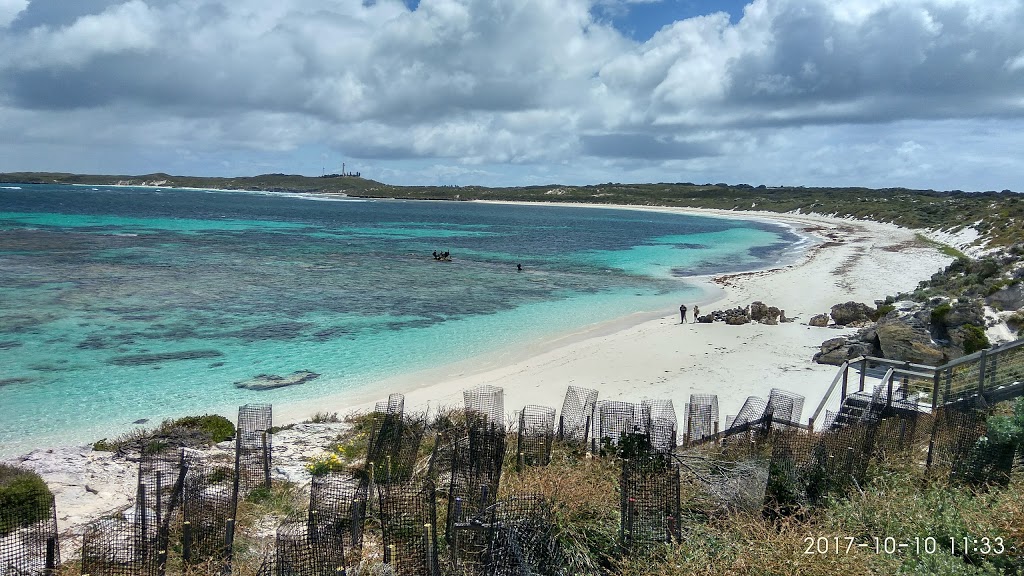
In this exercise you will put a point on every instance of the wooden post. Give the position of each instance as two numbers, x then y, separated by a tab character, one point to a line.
161	544
935	391
428	546
888	399
186	541
266	460
981	375
229	544
51	557
863	369
846	376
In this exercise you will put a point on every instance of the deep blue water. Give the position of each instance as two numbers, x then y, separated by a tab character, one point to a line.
124	303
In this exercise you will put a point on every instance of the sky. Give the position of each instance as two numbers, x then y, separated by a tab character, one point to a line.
877	93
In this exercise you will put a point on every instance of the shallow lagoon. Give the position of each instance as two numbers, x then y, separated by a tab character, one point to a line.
119	304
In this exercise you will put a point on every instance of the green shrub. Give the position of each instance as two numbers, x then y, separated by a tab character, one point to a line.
940	312
974	339
883	310
24	498
217	427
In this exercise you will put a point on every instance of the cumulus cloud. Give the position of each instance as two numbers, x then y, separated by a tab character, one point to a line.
9	10
478	82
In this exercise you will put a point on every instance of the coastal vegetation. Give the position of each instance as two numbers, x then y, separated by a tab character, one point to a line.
189	431
24	498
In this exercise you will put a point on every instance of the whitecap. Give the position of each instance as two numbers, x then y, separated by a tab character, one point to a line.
11	187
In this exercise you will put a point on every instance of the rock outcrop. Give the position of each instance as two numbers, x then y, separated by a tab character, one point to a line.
900	340
819	320
852	313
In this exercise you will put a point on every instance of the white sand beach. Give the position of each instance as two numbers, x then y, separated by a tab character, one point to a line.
648	356
644	356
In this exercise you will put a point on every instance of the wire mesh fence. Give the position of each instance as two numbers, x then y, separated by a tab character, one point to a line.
408	517
395	405
477	460
338	501
616	422
208	511
535	435
661	424
486	402
393	446
701	416
784	405
253	447
114	547
577	414
522	538
649	508
308	549
753	409
162	477
28	537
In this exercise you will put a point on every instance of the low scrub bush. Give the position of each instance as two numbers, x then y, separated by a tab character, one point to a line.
24	498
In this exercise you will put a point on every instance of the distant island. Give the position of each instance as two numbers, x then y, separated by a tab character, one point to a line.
997	216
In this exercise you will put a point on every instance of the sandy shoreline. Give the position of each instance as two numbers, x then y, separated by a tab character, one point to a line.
649	356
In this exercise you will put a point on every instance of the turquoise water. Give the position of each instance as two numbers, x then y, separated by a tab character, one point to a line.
120	304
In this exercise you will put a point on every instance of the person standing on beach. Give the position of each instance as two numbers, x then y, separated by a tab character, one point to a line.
682	313
696	312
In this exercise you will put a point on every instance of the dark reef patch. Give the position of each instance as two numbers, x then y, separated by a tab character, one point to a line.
142	359
8	344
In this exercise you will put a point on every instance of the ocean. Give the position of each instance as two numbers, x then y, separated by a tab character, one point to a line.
121	304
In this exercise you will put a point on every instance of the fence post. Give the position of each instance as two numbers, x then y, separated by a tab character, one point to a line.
888	399
863	370
229	544
981	375
51	556
186	541
266	459
846	376
161	543
429	548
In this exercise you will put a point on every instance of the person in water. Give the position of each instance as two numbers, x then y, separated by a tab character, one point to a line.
519	267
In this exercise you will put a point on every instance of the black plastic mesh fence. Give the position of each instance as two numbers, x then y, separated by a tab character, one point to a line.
790	452
393	446
701	416
114	547
577	414
477	460
650	501
838	461
961	446
208	510
338	502
253	447
784	405
255	418
535	435
308	549
395	404
28	537
487	402
162	476
408	526
614	421
522	538
661	424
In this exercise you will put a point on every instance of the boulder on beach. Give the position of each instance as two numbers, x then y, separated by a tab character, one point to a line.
852	313
271	381
819	320
758	311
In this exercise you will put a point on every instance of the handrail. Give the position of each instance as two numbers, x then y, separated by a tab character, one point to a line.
828	394
745	427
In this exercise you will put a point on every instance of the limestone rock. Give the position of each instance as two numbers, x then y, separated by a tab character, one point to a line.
819	320
773	315
851	313
737	319
1009	298
901	341
758	311
835	351
961	313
